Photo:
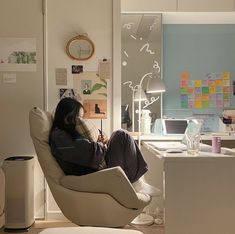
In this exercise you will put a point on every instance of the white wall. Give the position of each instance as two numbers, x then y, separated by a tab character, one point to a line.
66	19
22	19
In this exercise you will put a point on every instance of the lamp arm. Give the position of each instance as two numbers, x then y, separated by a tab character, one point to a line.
139	114
143	77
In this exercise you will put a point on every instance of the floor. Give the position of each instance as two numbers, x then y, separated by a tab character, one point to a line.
40	225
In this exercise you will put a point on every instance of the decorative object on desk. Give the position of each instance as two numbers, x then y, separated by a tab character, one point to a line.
146	121
80	48
216	144
192	136
228	120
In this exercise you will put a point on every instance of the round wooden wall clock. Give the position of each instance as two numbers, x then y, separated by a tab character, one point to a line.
80	48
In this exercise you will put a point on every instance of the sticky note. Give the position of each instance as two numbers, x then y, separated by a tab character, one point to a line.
226	89
226	75
184	104
197	83
198	104
184	75
205	104
219	82
183	90
205	89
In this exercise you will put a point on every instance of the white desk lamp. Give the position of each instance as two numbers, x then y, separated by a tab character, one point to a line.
154	85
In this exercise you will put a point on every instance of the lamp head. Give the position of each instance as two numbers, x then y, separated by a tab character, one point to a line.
155	84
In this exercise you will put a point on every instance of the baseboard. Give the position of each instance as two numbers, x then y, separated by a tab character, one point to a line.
57	215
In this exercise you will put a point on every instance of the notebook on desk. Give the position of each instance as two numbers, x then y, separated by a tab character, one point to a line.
167	145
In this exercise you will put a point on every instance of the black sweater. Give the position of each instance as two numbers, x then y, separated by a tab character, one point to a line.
77	156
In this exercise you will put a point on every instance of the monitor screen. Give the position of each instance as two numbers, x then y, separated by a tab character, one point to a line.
174	126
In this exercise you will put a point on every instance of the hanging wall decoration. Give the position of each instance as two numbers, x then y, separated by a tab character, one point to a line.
93	92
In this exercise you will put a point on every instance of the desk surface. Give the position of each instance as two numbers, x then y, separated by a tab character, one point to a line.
205	152
152	137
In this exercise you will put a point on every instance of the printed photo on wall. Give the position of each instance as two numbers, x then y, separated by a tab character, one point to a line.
90	81
86	87
69	93
95	109
104	69
76	69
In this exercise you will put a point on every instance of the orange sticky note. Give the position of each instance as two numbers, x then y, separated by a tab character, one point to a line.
219	82
184	75
205	97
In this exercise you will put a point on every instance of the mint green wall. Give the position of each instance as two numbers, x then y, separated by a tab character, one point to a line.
199	49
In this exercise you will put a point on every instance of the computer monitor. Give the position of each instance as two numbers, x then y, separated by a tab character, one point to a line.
174	126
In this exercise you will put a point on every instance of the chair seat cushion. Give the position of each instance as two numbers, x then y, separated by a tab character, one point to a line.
112	181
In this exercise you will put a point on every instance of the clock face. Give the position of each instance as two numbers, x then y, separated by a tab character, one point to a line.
80	48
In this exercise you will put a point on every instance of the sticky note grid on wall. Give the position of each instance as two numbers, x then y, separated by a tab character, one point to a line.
213	91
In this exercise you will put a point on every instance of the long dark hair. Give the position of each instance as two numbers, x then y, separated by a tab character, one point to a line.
66	114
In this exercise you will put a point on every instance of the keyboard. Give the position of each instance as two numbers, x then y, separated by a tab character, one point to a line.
167	145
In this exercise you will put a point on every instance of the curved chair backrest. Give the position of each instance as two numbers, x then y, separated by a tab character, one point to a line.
104	198
40	125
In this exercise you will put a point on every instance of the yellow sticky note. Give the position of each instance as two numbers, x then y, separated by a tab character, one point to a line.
198	83
226	75
198	104
212	89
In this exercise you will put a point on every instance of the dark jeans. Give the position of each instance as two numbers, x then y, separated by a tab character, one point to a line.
123	151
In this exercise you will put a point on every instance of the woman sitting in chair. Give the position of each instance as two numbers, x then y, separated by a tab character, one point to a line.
77	155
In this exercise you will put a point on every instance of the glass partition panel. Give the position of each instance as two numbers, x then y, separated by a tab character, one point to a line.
141	53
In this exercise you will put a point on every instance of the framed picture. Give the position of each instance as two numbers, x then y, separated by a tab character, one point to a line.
76	69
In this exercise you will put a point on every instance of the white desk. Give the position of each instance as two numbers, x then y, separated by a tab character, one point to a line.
198	191
158	137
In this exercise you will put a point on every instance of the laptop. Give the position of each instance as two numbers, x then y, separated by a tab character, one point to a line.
174	126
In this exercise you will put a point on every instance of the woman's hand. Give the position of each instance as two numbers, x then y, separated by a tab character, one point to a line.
103	139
